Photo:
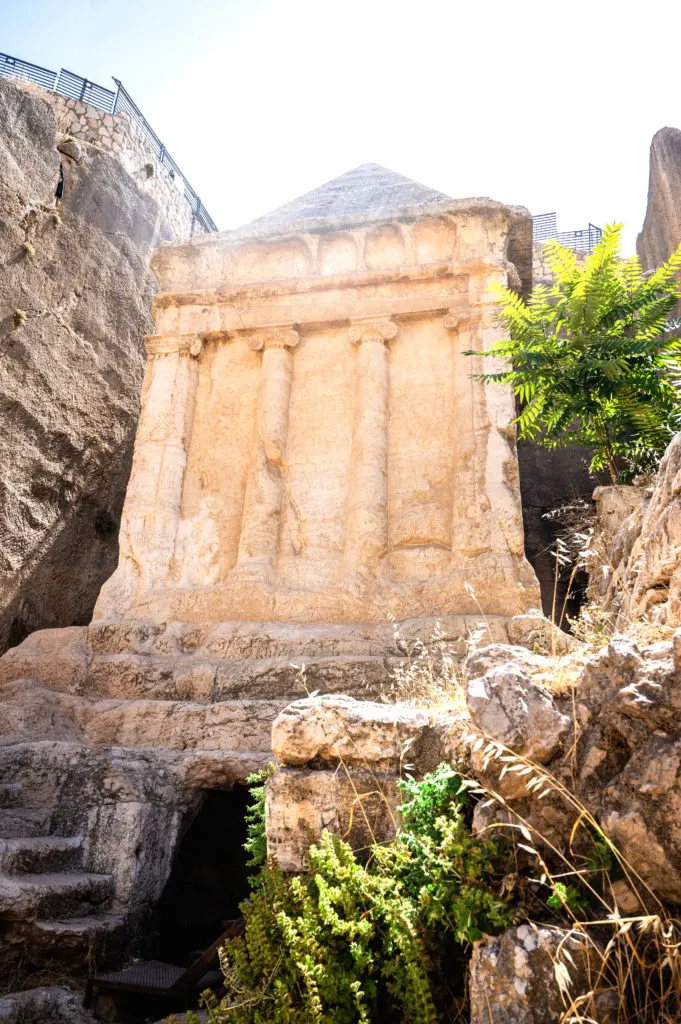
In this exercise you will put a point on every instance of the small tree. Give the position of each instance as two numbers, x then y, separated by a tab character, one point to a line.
593	358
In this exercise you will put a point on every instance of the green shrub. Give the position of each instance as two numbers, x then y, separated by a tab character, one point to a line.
256	839
351	942
336	946
593	357
445	871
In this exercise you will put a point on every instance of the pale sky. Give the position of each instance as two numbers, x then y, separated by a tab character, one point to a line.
543	104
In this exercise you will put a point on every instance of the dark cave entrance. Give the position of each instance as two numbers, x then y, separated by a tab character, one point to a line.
208	879
550	480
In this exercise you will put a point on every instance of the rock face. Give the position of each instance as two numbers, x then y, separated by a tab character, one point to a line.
44	1005
662	225
75	295
513	978
630	762
636	570
507	705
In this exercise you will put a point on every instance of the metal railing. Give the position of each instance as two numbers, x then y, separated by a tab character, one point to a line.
584	240
545	228
119	102
77	88
12	67
124	103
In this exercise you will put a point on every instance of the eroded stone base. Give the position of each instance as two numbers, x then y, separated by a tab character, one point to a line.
111	734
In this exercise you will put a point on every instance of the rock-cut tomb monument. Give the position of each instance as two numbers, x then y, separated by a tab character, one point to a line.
314	461
312	447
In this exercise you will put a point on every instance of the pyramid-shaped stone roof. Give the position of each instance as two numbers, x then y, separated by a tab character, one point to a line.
366	193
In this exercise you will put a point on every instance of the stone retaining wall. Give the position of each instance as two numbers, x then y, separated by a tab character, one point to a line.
120	135
541	272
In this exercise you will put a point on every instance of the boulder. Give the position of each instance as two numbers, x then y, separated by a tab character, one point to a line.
508	706
360	807
481	659
662	225
44	1006
339	728
514	977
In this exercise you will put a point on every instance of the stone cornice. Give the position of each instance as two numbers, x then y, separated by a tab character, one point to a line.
373	329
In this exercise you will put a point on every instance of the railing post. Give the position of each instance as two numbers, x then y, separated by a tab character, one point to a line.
82	91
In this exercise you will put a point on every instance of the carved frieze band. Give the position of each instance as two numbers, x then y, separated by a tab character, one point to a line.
366	330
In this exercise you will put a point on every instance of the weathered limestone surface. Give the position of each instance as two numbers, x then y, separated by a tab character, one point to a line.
44	1005
343	759
300	804
341	728
360	472
70	375
635	573
512	977
506	704
661	231
626	766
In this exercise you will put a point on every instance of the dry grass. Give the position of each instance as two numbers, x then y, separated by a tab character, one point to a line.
433	673
634	959
24	974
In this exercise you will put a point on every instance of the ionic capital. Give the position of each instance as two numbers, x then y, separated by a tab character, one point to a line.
455	319
274	336
365	330
159	345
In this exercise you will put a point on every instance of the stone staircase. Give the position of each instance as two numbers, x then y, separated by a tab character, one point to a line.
49	904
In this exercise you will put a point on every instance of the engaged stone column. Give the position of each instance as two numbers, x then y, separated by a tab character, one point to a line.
264	491
487	517
366	539
152	504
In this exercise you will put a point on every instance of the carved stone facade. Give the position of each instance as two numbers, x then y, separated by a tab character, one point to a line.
312	444
313	457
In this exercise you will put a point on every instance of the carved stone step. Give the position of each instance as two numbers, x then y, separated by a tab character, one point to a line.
34	855
10	794
87	932
66	895
16	822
